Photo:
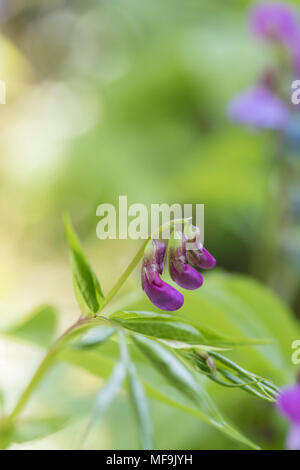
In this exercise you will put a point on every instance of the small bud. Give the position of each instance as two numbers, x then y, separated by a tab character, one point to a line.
199	257
180	271
210	364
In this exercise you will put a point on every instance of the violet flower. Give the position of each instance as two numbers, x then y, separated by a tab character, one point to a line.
159	292
274	22
184	266
198	256
180	271
288	404
260	108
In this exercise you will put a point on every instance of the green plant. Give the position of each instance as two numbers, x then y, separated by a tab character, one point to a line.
181	350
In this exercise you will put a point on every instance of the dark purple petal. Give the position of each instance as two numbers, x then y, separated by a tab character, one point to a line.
259	108
187	277
201	259
293	439
274	21
160	255
288	403
162	294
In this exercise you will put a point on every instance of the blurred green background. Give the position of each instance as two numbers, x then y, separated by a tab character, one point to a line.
128	97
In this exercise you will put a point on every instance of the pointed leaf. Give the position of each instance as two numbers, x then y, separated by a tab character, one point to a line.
172	327
140	404
137	396
39	327
108	392
94	337
83	275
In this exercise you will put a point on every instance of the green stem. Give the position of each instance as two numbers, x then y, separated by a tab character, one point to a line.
51	355
35	380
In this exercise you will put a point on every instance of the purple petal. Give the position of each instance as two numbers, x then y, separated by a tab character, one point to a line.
188	277
160	255
293	439
260	108
162	294
274	21
202	259
288	403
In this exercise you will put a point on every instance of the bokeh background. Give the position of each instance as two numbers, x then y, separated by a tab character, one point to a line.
129	97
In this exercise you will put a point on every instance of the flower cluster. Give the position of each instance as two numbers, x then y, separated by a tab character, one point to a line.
263	106
288	405
184	267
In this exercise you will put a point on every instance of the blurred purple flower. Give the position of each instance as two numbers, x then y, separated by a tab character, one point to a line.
159	292
180	271
274	21
288	404
260	108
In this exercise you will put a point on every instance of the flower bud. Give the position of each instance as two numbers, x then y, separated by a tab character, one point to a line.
180	271
159	292
201	259
198	257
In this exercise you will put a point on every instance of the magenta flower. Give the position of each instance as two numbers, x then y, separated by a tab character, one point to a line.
198	256
288	404
159	292
201	259
180	271
259	108
162	294
274	22
184	266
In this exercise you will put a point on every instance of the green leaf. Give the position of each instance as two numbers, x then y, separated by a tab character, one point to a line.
140	404
30	429
165	361
39	327
107	394
175	371
138	397
86	282
170	327
94	337
101	366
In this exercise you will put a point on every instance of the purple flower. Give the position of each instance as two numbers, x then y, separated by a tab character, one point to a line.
159	292
180	271
201	259
274	22
259	107
288	404
198	256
